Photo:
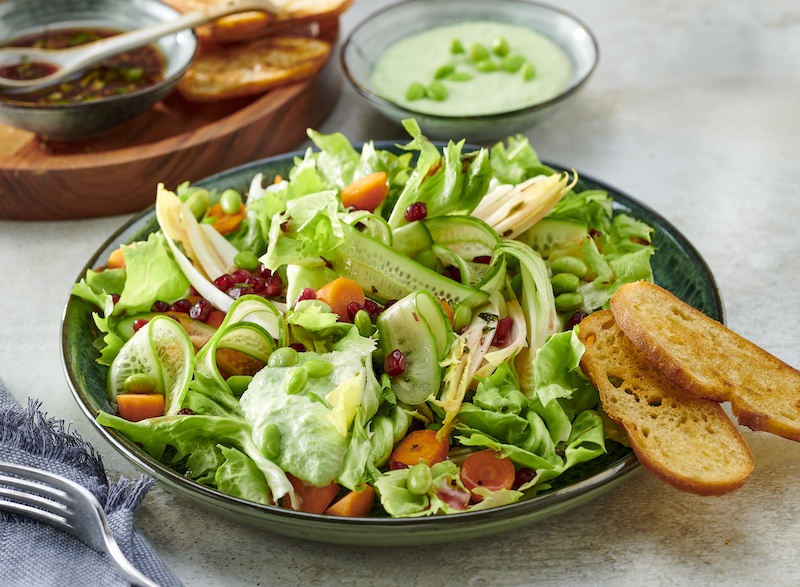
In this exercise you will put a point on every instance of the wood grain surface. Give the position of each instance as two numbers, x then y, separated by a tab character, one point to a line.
175	141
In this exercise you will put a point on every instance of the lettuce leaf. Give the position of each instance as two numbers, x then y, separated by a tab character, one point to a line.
517	162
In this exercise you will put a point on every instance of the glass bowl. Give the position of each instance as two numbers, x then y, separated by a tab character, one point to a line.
372	37
80	120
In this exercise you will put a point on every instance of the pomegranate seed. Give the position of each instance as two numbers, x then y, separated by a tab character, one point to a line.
416	211
264	272
389	303
237	292
523	476
352	310
396	465
115	298
453	273
372	307
193	292
574	320
224	282
395	363
259	284
186	412
274	285
159	306
201	310
240	276
503	331
298	346
307	294
139	323
483	259
182	306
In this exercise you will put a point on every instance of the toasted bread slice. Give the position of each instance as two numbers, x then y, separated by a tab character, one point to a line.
688	442
709	360
230	71
250	25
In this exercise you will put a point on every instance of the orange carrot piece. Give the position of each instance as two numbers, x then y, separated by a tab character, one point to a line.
448	309
235	362
139	406
115	259
486	469
277	179
225	223
313	500
420	445
355	504
215	318
340	293
366	193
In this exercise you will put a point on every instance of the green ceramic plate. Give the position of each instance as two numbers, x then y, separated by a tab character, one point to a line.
677	266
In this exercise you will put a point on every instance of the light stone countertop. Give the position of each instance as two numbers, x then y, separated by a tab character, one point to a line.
694	110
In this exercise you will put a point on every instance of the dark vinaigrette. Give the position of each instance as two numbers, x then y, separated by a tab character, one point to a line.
120	74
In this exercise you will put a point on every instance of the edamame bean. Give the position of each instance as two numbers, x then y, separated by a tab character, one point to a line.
318	368
564	282
295	381
198	202
528	71
246	260
363	322
487	65
416	91
568	264
444	71
271	441
437	91
140	383
456	47
500	46
284	356
419	479
569	301
230	201
478	52
462	316
238	383
512	63
459	76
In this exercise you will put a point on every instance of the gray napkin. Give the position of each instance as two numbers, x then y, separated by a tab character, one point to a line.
33	553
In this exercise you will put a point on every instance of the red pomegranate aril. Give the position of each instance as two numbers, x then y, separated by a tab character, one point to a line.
201	310
224	282
298	346
159	306
503	331
395	363
237	292
264	272
193	292
523	476
115	298
574	320
483	259
240	276
372	307
274	285
186	412
352	310
389	303
182	306
139	323
453	273
259	284
416	211
396	465
307	294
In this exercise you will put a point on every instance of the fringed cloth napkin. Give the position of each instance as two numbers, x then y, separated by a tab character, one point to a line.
33	553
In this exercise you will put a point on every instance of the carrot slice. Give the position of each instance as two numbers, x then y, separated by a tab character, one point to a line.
139	406
215	318
355	504
115	259
313	500
225	223
366	193
485	469
235	362
339	294
419	445
448	309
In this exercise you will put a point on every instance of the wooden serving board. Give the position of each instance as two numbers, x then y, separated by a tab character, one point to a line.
175	141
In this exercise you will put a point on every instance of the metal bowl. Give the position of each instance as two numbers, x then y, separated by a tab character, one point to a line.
83	120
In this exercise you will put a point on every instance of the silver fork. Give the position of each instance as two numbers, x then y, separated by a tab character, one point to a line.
57	501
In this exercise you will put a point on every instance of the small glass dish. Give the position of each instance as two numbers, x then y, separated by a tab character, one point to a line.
368	41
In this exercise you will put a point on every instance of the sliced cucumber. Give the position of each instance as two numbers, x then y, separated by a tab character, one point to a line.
434	315
162	350
550	234
388	275
402	327
199	332
467	236
252	308
411	238
248	338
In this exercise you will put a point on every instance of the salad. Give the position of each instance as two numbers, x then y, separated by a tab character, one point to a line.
381	333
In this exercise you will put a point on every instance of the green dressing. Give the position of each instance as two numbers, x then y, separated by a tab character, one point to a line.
416	59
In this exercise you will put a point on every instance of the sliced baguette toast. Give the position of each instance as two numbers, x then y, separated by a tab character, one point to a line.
686	441
709	360
231	71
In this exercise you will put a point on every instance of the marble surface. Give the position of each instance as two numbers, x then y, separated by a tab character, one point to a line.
694	111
